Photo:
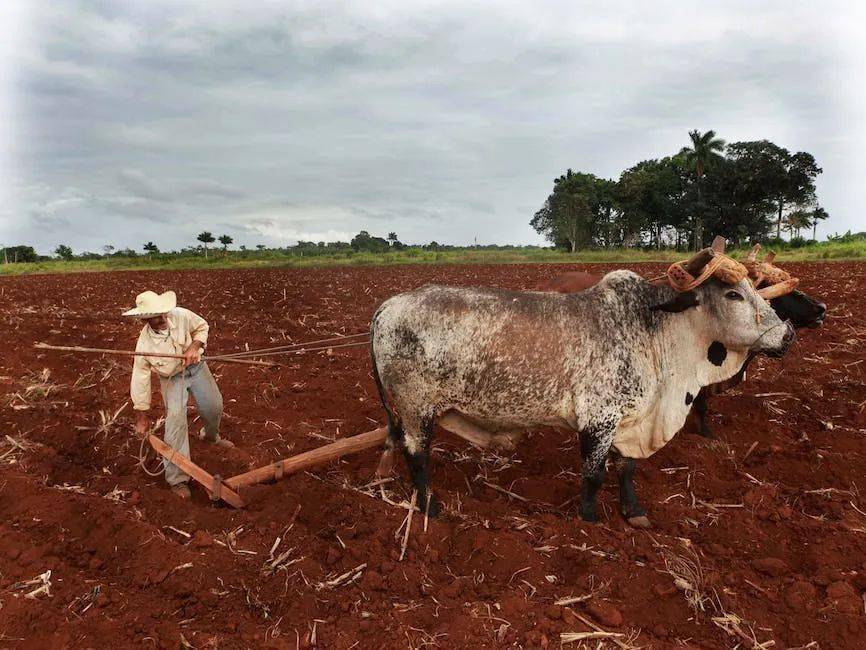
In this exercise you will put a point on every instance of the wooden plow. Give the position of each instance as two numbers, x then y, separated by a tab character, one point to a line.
221	489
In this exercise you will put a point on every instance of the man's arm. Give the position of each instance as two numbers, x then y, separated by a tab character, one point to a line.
198	331
139	391
198	328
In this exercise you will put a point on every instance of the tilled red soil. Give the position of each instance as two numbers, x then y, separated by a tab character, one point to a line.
764	526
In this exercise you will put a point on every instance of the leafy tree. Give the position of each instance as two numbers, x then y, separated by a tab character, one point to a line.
577	212
740	195
206	238
650	194
150	247
260	247
703	155
19	254
800	172
788	179
64	252
226	241
363	241
108	249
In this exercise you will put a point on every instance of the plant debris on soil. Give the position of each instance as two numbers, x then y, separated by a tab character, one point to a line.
758	538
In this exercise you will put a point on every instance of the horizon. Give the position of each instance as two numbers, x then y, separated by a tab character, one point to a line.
129	124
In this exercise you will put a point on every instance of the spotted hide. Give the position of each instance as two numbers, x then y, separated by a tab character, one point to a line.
797	307
614	363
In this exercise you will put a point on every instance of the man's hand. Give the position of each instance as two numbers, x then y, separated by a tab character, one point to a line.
190	355
142	422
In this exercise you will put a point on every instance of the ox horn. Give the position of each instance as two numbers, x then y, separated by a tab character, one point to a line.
718	244
770	257
751	258
780	289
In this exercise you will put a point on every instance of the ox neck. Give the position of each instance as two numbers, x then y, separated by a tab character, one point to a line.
682	350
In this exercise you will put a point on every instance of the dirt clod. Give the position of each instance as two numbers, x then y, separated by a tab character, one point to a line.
800	595
771	566
605	613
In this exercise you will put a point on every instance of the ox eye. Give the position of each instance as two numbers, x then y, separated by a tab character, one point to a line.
733	295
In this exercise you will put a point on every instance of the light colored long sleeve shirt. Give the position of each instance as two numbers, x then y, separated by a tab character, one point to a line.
184	327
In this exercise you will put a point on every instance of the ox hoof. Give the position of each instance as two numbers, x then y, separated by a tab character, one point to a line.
641	521
432	510
589	516
707	433
386	464
502	444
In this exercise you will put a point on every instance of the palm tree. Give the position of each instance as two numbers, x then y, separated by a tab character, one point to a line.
702	155
206	238
226	241
819	214
797	220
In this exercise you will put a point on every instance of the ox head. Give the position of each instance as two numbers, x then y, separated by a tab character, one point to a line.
727	309
802	310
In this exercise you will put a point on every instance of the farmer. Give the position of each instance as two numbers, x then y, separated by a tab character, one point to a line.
173	330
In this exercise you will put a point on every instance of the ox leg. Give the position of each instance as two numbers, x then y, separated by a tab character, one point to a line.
416	447
593	450
700	408
629	505
394	440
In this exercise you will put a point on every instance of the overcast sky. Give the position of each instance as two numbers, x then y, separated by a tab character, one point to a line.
124	122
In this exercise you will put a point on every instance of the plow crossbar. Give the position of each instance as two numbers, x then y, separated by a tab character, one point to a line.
217	489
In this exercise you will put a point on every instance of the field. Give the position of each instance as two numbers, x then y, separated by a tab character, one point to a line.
759	536
854	249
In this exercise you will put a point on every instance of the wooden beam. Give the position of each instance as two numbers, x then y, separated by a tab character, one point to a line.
129	353
216	488
319	456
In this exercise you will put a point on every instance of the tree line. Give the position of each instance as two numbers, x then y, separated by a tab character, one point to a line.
744	191
362	242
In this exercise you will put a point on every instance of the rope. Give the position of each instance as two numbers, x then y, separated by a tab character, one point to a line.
727	269
257	353
234	355
142	451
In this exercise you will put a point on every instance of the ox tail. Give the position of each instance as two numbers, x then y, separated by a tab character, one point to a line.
395	427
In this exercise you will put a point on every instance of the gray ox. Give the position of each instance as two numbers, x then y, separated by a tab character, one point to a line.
619	363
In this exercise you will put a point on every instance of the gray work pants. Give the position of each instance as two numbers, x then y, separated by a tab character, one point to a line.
198	380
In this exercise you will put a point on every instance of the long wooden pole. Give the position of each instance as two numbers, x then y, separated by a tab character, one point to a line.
76	348
319	456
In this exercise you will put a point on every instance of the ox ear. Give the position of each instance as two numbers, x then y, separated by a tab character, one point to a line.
680	302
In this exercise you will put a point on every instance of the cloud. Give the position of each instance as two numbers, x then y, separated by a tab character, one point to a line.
438	121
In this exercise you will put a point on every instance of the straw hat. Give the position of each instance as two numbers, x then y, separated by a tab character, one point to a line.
149	304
